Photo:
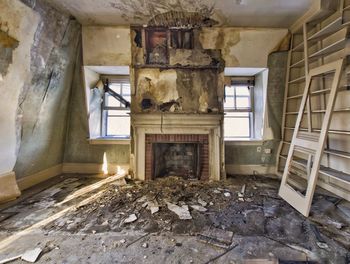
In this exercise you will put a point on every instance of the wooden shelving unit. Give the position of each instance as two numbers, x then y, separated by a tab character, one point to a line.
321	39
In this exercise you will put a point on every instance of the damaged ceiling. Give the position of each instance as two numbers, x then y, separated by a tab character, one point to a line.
239	13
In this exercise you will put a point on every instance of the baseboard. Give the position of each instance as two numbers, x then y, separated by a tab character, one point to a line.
39	177
8	187
91	168
250	169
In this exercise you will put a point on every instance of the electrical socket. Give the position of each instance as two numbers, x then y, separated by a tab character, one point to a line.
268	151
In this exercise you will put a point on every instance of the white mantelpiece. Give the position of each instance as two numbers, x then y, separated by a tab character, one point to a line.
172	123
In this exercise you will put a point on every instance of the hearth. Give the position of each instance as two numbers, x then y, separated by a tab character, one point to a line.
177	159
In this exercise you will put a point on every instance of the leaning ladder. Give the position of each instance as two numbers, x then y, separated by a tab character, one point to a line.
308	142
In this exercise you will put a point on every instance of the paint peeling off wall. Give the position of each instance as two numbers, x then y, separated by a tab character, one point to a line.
191	91
106	46
22	23
243	47
43	102
7	46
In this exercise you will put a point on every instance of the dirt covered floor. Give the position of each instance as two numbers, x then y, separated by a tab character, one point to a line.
75	219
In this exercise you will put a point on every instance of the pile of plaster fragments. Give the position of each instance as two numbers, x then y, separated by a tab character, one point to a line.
212	211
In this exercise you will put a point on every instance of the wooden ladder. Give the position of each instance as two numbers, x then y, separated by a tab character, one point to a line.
308	142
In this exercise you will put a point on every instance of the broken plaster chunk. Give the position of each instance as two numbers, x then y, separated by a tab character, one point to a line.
31	255
227	194
182	212
201	202
145	245
199	208
153	206
216	191
130	219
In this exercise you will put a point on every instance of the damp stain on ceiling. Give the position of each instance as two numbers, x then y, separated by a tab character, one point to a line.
237	13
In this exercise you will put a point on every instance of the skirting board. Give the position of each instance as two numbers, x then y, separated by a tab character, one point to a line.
249	169
8	187
91	168
39	177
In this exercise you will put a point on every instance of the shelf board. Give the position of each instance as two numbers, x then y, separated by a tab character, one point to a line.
342	154
323	91
335	110
321	15
295	96
332	152
334	47
299	47
297	80
330	131
298	64
341	176
327	30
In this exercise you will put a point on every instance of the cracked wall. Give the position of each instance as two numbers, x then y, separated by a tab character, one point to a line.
37	86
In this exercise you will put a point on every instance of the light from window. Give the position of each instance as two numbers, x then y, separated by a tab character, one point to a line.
116	120
237	107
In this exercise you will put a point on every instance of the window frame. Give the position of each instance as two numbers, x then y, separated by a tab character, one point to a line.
105	108
235	109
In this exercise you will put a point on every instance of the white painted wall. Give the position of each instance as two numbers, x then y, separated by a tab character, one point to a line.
22	22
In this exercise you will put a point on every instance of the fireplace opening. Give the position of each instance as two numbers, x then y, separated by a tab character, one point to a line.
177	159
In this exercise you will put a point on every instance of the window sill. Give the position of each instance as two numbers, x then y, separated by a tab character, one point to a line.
243	141
109	141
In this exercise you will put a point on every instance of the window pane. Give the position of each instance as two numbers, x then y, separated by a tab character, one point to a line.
118	126
229	103
242	90
229	90
115	87
111	101
236	125
118	112
126	89
243	102
127	98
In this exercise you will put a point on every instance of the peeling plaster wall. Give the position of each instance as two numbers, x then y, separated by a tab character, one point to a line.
243	47
246	154
43	102
107	46
22	24
78	149
36	88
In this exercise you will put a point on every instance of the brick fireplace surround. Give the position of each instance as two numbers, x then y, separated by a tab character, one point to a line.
178	138
177	128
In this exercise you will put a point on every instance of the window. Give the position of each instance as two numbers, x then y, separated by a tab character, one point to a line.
115	117
238	111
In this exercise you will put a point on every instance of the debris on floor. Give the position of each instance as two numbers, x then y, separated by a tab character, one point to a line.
144	216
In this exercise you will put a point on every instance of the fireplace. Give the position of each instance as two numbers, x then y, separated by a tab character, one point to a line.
176	159
185	145
183	155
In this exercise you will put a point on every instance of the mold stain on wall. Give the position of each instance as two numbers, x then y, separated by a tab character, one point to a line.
7	46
